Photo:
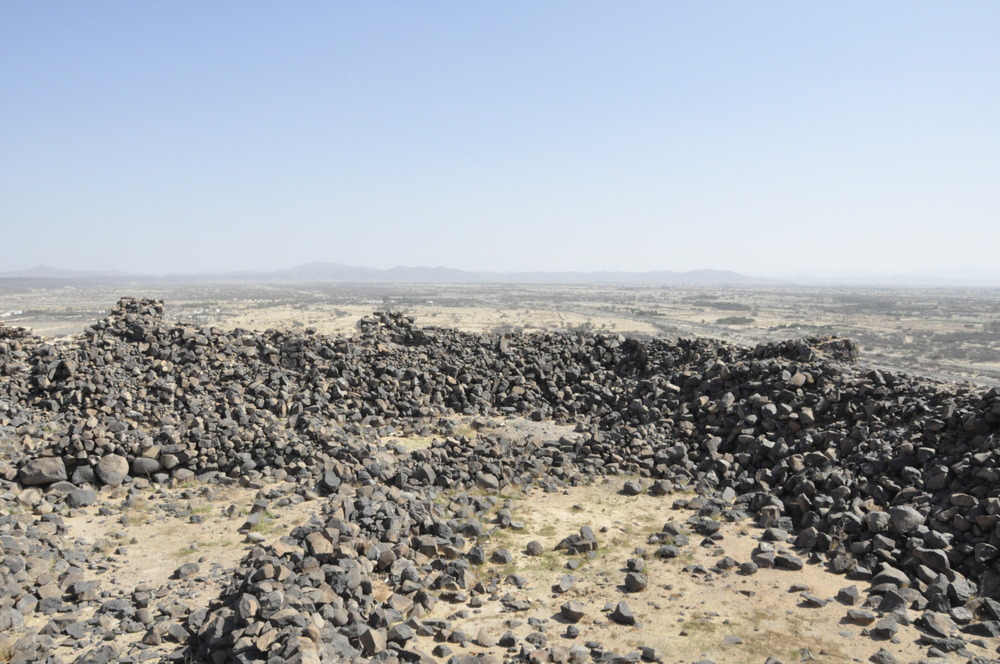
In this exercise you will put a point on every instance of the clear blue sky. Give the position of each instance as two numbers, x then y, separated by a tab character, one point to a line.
763	137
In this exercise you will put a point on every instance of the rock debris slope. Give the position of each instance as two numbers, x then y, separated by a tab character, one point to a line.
882	477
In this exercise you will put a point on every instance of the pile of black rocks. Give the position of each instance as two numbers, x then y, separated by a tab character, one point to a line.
883	476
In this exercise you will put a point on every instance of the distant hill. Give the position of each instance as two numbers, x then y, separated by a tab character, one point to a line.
666	277
318	271
338	272
46	272
323	272
401	274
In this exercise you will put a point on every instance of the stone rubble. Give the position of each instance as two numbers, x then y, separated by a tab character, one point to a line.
888	479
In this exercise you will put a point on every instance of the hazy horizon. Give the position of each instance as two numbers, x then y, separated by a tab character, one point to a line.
775	139
442	274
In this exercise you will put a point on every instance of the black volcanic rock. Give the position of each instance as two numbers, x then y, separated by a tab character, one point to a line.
884	476
622	614
44	470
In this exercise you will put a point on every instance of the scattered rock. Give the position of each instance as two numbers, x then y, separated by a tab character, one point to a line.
883	656
572	611
565	583
860	616
622	614
812	601
849	595
187	570
635	582
502	557
632	488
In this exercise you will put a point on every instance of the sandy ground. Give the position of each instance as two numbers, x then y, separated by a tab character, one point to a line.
328	319
687	615
141	545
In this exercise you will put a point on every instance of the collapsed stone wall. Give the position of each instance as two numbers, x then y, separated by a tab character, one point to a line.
875	471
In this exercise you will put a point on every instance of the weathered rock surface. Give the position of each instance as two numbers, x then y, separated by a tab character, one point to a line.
46	470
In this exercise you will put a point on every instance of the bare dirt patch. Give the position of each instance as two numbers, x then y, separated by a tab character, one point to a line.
139	539
689	611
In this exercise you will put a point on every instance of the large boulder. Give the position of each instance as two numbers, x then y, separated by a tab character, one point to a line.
112	469
145	466
45	470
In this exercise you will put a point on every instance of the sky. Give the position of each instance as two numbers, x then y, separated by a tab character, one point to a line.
768	138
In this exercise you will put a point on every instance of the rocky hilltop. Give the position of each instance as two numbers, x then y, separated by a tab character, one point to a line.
885	478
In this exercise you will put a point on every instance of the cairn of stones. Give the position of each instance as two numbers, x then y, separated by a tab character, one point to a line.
879	476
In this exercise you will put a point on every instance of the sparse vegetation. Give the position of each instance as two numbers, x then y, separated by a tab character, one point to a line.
548	530
198	547
267	524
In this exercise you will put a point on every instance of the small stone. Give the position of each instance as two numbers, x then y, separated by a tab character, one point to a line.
81	497
572	611
635	582
668	551
632	488
938	624
886	628
860	616
904	519
891	601
565	583
187	570
501	557
812	601
883	656
787	561
848	595
661	487
889	574
623	614
373	641
517	580
651	654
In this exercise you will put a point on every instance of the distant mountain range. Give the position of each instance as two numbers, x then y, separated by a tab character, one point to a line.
336	272
46	272
339	273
